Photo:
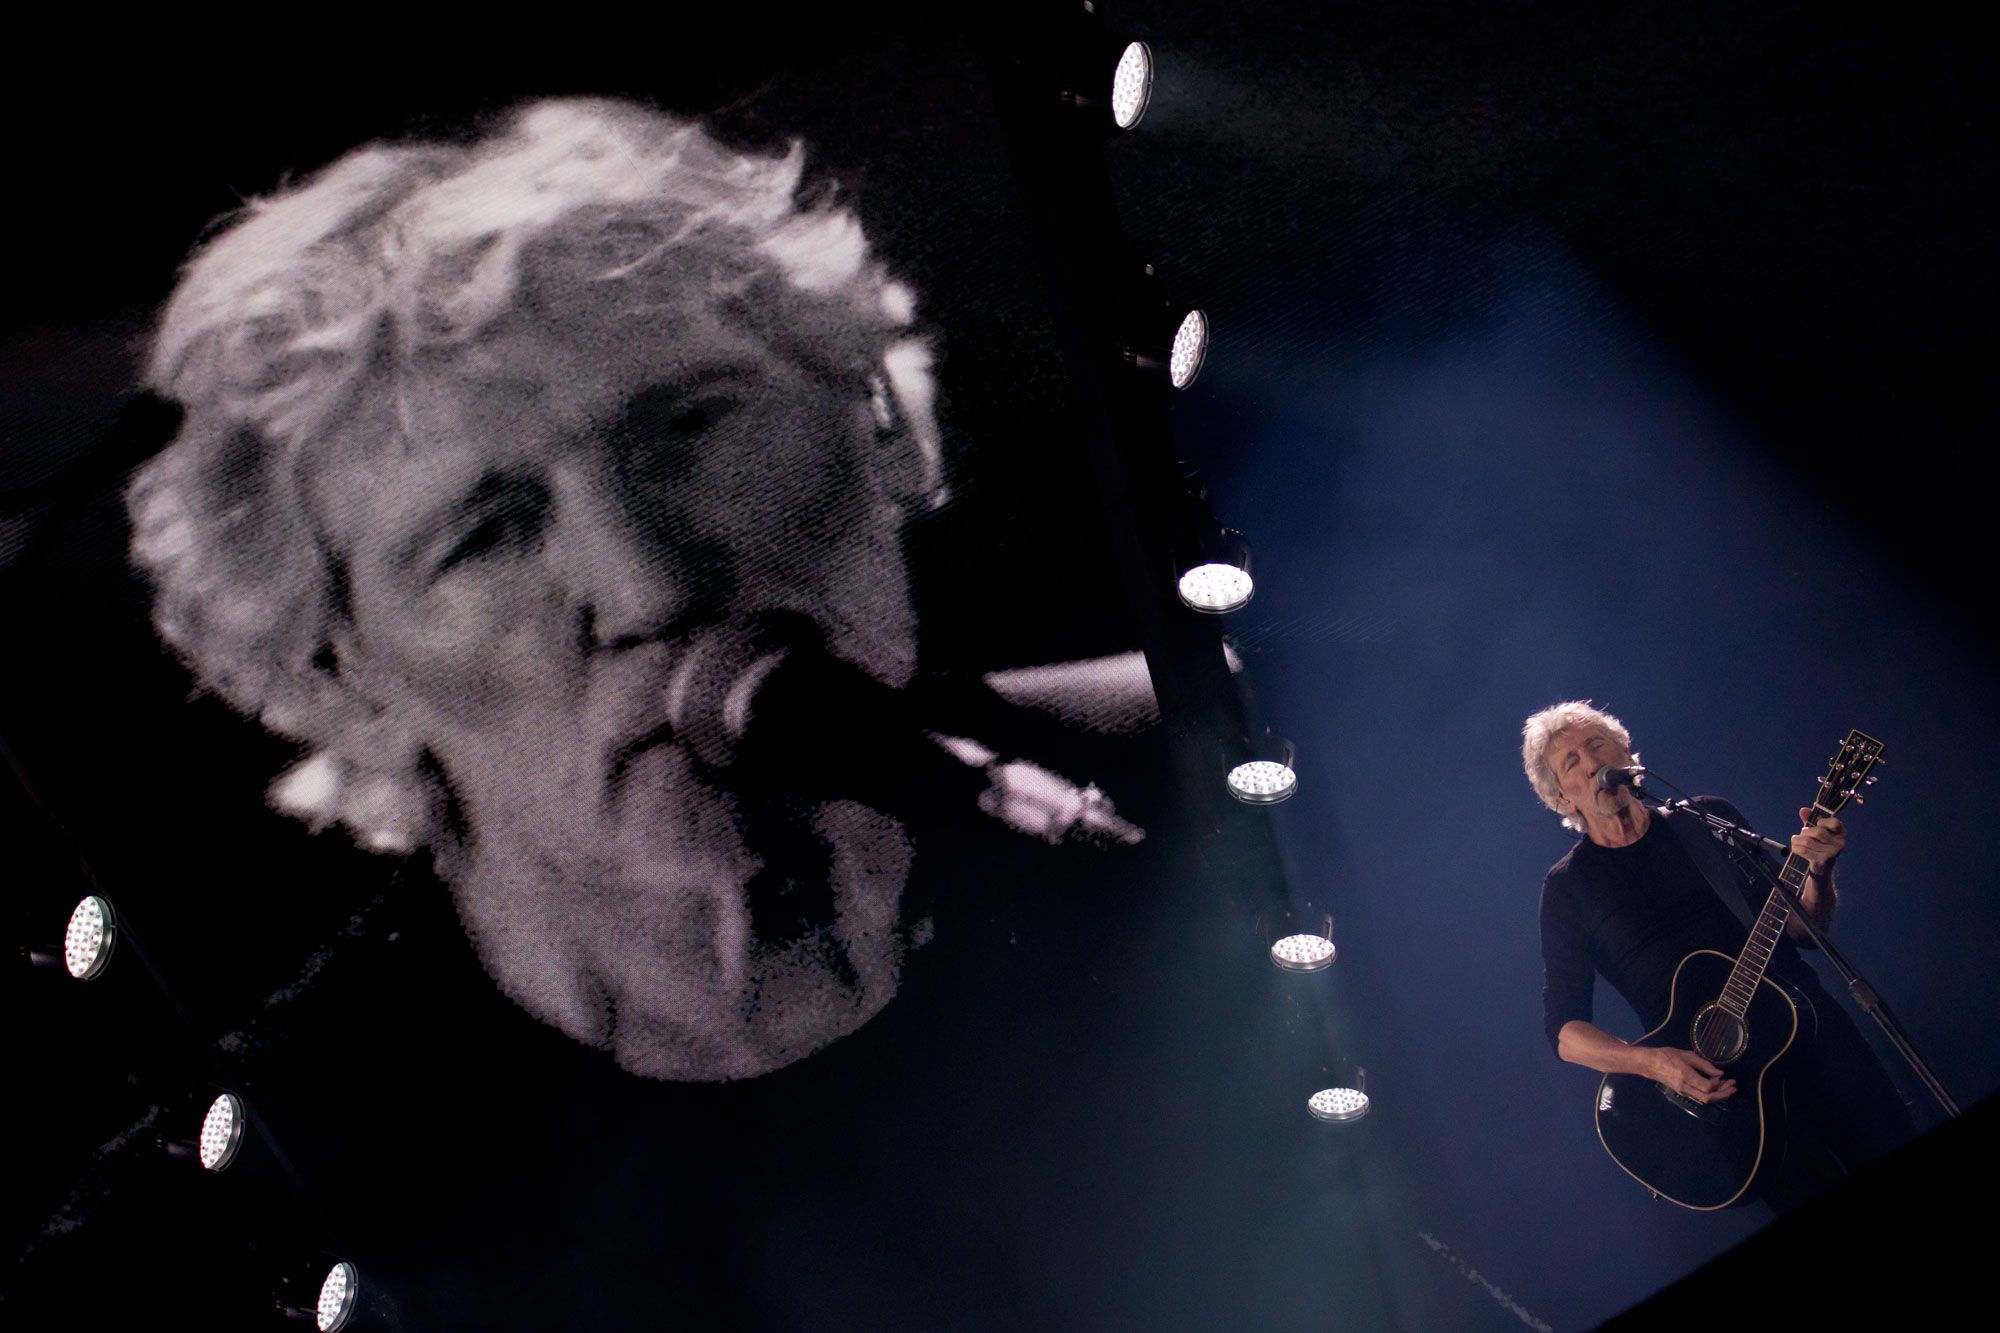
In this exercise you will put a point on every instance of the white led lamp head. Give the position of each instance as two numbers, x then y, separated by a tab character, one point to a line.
1346	1101
1172	349
221	1132
89	939
1131	85
1266	781
1300	941
337	1296
1214	576
1189	350
317	1291
1106	79
207	1127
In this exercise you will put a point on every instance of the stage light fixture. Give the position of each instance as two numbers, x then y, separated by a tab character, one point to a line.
1131	85
336	1296
1338	1105
1302	953
1211	562
316	1289
1215	572
1190	349
1105	80
221	1132
1341	1103
205	1125
88	941
1297	939
1162	339
1264	780
1215	587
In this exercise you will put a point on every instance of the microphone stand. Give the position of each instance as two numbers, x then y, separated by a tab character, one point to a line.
1741	842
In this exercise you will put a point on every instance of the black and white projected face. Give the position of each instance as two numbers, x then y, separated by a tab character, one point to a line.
521	585
523	529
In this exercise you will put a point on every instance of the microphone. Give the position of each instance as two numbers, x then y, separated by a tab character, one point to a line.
763	702
1611	778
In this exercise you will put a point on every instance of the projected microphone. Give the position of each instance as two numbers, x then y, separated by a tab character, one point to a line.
762	701
1611	778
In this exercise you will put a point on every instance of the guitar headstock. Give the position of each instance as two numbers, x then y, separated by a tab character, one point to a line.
1848	772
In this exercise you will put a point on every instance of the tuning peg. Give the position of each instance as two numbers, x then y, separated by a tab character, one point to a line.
1821	779
1869	782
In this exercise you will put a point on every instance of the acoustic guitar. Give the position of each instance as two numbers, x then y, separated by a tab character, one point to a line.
1711	1155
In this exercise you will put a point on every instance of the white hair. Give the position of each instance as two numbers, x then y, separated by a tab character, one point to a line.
1540	732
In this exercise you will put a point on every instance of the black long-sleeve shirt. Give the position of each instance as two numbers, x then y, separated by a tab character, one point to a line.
1633	913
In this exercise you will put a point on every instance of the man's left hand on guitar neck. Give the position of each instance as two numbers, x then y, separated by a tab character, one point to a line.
1819	846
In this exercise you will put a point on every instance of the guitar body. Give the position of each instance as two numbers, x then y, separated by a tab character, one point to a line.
1707	1156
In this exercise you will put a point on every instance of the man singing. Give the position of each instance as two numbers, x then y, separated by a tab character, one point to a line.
480	439
1629	902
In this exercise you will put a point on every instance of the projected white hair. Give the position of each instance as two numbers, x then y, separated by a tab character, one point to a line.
585	221
1540	732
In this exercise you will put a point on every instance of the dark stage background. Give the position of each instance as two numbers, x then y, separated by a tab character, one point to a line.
1635	353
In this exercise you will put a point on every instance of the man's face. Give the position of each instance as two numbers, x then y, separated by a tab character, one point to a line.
1575	756
525	565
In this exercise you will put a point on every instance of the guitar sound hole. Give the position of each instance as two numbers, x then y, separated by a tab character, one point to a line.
1719	1036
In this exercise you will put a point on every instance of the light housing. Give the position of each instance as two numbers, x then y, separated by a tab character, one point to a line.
1105	79
316	1290
337	1294
1214	574
1131	85
89	938
221	1132
1300	941
1343	1103
1267	778
1188	350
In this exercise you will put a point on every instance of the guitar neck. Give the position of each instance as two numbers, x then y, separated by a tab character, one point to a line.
1755	959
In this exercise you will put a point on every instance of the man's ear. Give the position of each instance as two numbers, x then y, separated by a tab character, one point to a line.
367	768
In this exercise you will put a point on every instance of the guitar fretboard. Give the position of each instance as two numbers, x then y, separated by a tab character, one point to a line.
1755	959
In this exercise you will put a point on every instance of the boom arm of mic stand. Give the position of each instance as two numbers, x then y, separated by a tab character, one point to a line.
1865	995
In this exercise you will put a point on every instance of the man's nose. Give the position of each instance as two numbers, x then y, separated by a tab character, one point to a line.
628	580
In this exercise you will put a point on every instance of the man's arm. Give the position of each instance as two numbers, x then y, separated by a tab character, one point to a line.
1684	1072
1567	978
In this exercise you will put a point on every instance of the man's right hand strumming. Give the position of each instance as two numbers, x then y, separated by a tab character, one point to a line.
1688	1074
